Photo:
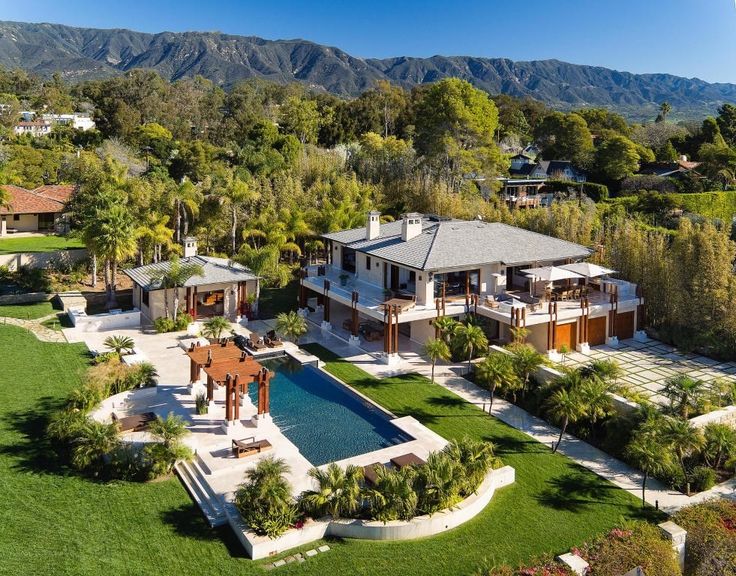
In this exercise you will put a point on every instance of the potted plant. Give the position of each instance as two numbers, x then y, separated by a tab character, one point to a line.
344	279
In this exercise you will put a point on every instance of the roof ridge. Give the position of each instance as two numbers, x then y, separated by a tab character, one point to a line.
431	245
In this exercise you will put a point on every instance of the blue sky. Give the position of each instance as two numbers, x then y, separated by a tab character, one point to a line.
683	37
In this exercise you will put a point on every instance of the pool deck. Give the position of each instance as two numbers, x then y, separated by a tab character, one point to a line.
214	462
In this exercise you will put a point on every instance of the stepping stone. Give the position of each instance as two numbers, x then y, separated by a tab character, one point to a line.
290	559
324	548
279	563
311	553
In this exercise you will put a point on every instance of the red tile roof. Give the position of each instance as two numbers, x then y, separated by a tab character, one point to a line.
43	200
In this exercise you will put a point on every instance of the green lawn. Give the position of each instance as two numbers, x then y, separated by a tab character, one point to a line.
273	301
39	244
54	522
27	311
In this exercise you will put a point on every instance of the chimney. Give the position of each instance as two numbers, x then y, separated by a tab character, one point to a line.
190	246
373	225
411	226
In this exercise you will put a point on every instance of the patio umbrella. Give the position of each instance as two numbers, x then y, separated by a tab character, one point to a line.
588	269
549	274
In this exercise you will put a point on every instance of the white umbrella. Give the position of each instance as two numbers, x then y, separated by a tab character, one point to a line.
588	269
551	273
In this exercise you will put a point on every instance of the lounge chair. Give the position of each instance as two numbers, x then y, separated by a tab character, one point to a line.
256	342
249	446
134	423
271	340
369	472
410	459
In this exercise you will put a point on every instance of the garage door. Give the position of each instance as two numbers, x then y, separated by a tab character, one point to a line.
597	331
566	334
625	325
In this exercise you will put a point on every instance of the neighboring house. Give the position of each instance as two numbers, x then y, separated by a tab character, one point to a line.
669	169
225	288
525	192
35	128
78	121
383	280
39	210
520	163
557	170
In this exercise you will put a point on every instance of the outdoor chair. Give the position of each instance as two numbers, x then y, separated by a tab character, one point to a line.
256	342
249	446
134	423
272	340
409	459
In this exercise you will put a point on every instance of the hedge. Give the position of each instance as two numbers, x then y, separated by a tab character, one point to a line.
721	205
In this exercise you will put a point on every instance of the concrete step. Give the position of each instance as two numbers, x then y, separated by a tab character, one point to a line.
210	504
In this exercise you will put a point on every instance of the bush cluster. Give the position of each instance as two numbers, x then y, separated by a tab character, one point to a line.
164	324
711	538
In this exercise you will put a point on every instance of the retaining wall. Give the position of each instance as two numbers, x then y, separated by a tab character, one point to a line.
28	298
43	259
101	322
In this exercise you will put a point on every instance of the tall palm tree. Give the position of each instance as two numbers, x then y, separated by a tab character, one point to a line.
215	327
169	430
111	236
470	338
664	109
684	393
496	371
337	493
174	277
446	327
291	325
646	452
154	234
686	440
118	344
564	407
94	442
526	361
185	199
233	192
436	349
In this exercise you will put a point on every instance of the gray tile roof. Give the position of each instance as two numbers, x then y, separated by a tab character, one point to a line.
460	244
216	271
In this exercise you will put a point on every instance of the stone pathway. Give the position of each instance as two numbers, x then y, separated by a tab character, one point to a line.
41	332
299	557
647	366
590	457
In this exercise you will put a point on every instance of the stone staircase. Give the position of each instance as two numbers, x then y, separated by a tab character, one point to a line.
192	476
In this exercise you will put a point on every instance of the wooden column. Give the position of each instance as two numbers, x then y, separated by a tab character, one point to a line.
228	398
264	391
387	327
210	389
194	303
236	396
467	291
438	306
396	330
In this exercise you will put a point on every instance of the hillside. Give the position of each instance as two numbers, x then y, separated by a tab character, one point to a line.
85	53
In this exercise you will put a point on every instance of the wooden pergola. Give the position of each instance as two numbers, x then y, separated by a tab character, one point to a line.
201	356
236	374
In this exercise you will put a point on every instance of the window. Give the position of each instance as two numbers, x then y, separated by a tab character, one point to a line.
16	217
367	262
348	260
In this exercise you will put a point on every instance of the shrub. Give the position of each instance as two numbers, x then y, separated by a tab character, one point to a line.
143	375
215	327
105	357
158	459
640	544
93	443
183	320
702	478
126	463
202	406
711	538
596	192
163	324
65	425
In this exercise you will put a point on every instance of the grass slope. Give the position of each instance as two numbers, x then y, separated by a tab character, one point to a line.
29	311
39	244
54	522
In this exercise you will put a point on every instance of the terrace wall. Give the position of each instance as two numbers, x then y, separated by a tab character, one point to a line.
43	259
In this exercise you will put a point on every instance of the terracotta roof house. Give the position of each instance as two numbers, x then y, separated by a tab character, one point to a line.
385	280
225	288
38	210
33	127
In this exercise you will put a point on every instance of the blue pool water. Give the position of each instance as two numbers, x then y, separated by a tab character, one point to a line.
324	419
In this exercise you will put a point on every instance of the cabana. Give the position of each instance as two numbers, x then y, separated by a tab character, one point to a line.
201	356
549	275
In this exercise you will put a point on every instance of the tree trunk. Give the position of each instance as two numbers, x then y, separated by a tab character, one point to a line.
176	302
166	302
644	489
234	229
178	221
562	433
432	372
684	474
107	283
94	270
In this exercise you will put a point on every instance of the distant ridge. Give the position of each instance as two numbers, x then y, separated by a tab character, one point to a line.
87	53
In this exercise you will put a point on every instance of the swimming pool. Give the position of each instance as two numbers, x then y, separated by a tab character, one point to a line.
321	417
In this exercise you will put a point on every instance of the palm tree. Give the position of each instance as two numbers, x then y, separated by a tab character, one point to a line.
174	277
564	407
476	458
470	338
597	399
94	442
526	361
684	393
118	344
233	192
496	371
291	325
686	440
337	493
720	443
439	482
436	349
264	498
664	109
214	327
605	370
646	452
111	236
186	198
446	327
169	430
392	496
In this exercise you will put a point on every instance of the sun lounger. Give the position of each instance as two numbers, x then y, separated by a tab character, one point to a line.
272	341
256	342
249	446
369	472
134	423
410	459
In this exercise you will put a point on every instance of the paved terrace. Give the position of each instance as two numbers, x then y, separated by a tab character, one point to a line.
647	366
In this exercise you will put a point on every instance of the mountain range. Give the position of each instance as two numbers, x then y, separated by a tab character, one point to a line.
88	53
